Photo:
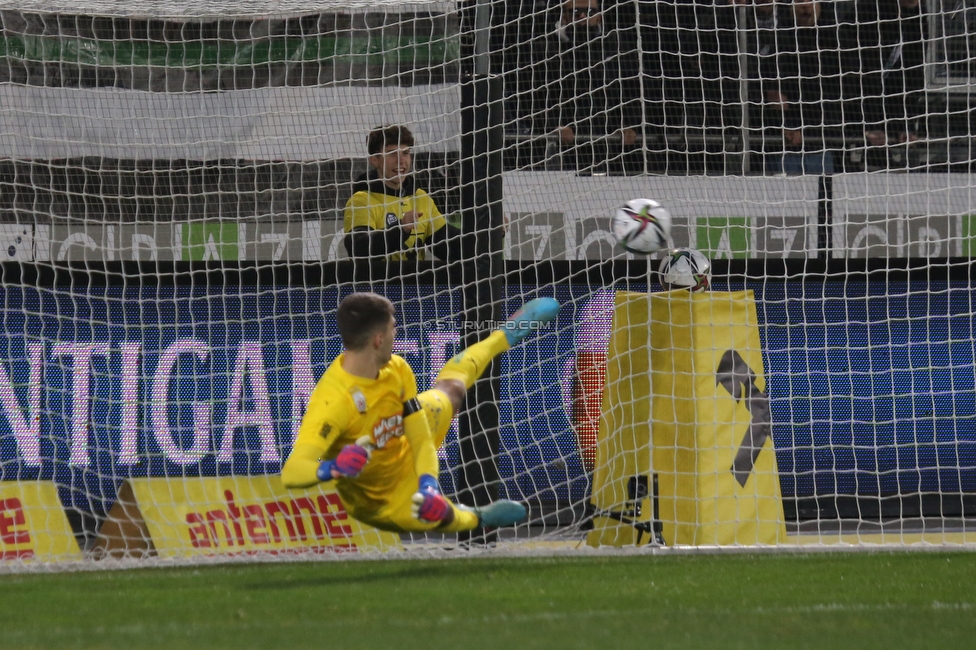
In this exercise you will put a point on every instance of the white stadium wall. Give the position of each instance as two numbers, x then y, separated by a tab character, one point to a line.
874	215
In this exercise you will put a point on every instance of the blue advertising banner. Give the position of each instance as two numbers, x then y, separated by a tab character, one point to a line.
112	383
871	387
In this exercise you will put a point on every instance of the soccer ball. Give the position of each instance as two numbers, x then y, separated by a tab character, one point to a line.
685	268
642	226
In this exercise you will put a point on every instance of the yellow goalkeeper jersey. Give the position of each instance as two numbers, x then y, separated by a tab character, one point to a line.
377	207
343	408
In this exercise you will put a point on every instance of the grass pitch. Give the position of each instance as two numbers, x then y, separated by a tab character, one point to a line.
823	601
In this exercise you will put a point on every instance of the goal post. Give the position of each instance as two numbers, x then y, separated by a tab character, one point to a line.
173	184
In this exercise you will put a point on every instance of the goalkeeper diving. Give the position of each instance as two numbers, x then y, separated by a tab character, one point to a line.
367	429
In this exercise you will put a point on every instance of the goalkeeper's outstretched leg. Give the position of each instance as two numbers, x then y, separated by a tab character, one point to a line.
461	372
442	402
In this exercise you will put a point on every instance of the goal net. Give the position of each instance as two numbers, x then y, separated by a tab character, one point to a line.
174	189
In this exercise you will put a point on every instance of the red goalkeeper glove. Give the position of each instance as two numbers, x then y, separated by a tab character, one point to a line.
428	503
349	463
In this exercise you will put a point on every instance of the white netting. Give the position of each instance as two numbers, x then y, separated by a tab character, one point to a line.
195	11
817	152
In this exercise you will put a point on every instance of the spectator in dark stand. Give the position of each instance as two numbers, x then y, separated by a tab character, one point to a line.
803	113
886	39
764	98
763	19
583	81
388	215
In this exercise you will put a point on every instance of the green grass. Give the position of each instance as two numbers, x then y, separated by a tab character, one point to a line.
824	601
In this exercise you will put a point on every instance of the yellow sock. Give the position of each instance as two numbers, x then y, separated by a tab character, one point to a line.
471	362
464	519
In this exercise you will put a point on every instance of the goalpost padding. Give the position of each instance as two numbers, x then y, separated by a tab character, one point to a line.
685	408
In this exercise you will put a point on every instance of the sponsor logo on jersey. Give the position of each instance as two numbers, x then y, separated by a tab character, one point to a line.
387	428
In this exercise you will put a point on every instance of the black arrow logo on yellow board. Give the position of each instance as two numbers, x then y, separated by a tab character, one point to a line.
735	375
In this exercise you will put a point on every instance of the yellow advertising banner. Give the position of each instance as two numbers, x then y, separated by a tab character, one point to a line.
248	515
33	525
685	379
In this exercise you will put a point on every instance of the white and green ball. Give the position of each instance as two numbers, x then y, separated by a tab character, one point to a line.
642	226
685	268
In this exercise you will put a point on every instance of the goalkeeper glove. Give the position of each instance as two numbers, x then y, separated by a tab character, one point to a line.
348	464
428	503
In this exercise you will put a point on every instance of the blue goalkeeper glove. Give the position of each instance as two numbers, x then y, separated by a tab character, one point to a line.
428	503
348	464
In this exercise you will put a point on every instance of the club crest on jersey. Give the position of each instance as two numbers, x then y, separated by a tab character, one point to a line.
359	400
391	427
392	219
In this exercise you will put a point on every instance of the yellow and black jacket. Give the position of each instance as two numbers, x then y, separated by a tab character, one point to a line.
372	220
